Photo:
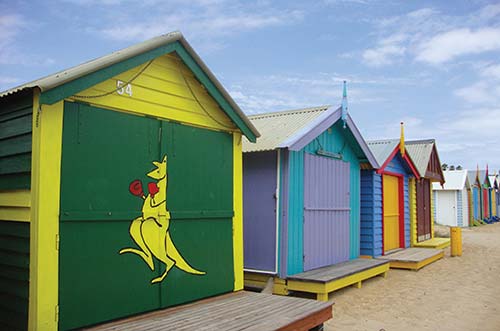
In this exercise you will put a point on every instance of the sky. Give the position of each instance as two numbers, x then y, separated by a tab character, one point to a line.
435	65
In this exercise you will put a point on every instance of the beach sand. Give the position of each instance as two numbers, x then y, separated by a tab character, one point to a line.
454	293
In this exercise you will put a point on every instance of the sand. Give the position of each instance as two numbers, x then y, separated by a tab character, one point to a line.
454	293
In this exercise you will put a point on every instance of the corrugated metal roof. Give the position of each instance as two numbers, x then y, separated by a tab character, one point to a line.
420	152
471	175
279	127
454	180
382	149
483	177
65	76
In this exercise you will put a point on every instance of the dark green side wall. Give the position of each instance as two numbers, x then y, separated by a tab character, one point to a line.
15	174
15	141
14	275
103	152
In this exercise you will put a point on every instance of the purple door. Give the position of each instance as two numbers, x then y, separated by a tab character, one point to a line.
259	210
326	211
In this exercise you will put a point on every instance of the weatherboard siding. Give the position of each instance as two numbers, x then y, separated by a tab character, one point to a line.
14	275
16	116
371	213
166	89
460	210
295	212
475	203
333	140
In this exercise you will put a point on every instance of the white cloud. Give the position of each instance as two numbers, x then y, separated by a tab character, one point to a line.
398	34
433	37
8	80
489	12
10	24
207	23
451	44
491	71
336	2
382	55
482	92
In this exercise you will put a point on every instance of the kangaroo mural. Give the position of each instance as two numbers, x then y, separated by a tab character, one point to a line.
150	231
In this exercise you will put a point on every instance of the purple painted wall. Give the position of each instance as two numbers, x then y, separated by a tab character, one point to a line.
283	221
259	210
326	211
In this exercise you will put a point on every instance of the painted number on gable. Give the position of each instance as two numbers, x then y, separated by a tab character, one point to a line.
121	88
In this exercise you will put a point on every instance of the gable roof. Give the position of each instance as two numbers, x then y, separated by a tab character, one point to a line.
65	83
294	129
472	176
421	154
454	180
483	179
384	151
493	180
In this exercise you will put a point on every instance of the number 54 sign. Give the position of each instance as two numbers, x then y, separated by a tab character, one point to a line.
122	88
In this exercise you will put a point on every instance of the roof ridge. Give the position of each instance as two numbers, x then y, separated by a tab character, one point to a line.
417	141
377	141
290	112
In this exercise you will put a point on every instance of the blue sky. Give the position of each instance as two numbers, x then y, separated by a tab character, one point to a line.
433	64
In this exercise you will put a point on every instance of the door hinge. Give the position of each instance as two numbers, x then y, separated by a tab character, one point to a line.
57	242
57	313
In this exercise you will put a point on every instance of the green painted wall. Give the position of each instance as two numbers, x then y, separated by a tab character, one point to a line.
103	152
14	275
15	141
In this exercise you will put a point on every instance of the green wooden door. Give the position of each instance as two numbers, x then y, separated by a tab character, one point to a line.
103	152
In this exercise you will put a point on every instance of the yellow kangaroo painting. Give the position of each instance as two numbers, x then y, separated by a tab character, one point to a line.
150	231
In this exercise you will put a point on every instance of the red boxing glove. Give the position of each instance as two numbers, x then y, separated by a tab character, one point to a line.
153	189
136	188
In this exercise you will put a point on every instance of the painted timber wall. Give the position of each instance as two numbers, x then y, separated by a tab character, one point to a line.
332	140
15	172
201	180
476	203
452	207
371	207
259	210
78	229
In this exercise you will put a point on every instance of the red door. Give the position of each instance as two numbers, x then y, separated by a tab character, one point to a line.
423	210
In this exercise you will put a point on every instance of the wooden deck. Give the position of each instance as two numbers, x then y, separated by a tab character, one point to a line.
325	280
438	243
235	311
412	258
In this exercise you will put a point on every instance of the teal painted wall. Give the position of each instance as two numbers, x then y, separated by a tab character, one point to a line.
335	140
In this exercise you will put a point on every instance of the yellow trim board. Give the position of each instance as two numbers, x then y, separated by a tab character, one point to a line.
413	210
258	280
15	205
18	198
15	214
416	265
238	212
323	289
44	230
439	243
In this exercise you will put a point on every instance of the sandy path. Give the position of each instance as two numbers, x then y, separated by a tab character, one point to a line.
455	293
